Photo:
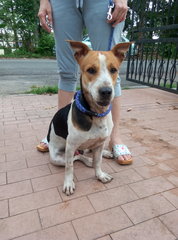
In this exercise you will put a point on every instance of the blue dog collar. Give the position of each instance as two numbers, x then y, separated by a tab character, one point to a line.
84	110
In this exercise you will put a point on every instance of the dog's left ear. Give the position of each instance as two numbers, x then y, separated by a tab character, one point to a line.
80	49
120	49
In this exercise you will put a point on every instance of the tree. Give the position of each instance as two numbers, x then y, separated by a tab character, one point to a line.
19	23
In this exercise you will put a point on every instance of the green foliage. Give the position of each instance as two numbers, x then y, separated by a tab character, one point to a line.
20	53
19	23
19	29
148	22
46	45
43	90
7	51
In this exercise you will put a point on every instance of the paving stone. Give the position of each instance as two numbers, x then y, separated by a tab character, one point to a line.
15	189
2	158
56	169
100	224
173	178
36	158
47	182
84	187
65	211
33	201
19	225
2	178
163	156
124	177
153	171
139	151
171	220
117	167
147	208
112	198
64	232
15	148
174	163
14	165
1	143
27	140
28	173
172	196
151	186
3	209
86	172
104	238
15	156
30	143
150	230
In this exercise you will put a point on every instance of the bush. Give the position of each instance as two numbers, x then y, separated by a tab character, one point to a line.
43	90
45	48
21	52
46	45
7	51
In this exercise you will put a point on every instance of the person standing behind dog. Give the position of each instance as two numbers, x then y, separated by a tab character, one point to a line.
68	18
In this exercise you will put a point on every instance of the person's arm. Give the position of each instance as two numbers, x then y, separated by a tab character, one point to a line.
45	15
119	13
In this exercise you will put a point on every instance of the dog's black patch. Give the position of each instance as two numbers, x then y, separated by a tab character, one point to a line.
81	120
49	130
60	122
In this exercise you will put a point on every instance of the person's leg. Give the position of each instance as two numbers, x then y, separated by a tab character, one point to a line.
95	15
64	98
67	25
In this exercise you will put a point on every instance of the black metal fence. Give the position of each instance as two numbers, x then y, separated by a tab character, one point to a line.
153	58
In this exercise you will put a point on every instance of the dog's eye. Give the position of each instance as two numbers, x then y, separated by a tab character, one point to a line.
91	70
113	70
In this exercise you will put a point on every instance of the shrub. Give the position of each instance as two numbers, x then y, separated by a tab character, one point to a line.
46	45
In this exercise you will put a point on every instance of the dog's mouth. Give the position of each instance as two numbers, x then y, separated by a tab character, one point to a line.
103	103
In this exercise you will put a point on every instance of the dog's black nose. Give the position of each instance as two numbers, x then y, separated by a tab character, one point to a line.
105	92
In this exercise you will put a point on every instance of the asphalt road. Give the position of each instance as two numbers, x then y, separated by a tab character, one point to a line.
18	75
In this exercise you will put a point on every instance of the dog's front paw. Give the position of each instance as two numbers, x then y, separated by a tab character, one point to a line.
104	177
69	187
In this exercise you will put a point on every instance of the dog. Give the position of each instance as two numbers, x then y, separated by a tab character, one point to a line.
86	122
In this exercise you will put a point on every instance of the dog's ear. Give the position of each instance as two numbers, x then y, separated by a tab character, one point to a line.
120	49
80	49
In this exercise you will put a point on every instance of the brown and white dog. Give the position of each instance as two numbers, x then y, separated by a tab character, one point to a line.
73	129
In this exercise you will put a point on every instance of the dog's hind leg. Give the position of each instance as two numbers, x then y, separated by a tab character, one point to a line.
57	157
57	149
57	152
86	160
107	154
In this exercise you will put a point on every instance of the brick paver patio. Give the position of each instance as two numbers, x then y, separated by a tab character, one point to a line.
141	203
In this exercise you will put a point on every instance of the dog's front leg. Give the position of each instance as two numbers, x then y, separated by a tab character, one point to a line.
69	185
97	159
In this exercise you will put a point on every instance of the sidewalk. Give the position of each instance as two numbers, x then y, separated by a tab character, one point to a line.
141	203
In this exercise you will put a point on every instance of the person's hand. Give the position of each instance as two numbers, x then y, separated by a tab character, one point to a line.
45	15
119	13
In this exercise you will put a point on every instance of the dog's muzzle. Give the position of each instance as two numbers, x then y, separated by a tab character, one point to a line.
105	94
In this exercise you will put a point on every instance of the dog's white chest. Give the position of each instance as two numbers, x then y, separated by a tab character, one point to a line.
96	136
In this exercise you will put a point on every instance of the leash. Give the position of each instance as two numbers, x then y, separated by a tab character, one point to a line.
88	112
109	17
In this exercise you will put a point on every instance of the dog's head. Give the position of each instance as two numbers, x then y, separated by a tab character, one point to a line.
99	71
